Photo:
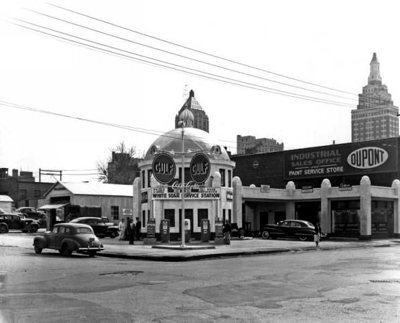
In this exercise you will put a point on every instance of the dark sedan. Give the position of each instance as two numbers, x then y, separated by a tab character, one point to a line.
16	221
303	230
68	238
101	229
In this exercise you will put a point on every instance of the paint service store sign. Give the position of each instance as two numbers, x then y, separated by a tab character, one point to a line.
360	158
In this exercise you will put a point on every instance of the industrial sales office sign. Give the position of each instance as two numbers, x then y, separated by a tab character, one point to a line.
348	159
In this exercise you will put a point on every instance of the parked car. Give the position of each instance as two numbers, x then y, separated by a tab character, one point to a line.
32	213
68	238
16	221
303	230
100	228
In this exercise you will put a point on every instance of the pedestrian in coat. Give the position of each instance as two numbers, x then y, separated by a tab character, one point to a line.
132	233
227	232
138	228
317	235
127	229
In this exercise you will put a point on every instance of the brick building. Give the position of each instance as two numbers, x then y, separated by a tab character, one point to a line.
253	145
22	188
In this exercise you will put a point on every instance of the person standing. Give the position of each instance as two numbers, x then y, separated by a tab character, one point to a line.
127	229
132	233
227	232
121	229
317	235
138	228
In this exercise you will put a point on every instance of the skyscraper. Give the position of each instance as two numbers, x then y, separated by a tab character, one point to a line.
200	117
375	117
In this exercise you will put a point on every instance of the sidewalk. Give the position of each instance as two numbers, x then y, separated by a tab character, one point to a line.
246	247
196	250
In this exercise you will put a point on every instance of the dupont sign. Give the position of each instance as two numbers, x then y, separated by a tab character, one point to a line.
340	160
367	157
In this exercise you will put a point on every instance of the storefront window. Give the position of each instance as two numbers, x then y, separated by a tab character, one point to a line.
346	217
382	218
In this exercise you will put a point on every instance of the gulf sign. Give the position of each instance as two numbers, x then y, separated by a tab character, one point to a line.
199	168
164	168
367	157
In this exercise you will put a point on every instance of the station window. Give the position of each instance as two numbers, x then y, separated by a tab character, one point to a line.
149	173
115	212
222	172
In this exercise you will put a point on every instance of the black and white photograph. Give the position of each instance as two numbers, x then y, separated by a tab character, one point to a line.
199	161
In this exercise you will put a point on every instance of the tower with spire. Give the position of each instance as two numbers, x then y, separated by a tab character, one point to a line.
200	120
375	117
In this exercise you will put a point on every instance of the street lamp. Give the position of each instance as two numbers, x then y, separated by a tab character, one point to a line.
185	119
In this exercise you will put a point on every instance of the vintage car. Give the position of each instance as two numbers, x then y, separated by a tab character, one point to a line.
16	221
68	238
101	229
33	213
303	230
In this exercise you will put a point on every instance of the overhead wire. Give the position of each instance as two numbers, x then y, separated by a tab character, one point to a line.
173	66
196	50
186	57
124	127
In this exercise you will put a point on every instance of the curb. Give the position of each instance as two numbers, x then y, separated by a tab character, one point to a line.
233	254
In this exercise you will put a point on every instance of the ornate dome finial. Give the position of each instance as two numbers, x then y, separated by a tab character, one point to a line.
187	117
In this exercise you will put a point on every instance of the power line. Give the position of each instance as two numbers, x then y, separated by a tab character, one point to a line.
174	66
151	132
197	51
186	57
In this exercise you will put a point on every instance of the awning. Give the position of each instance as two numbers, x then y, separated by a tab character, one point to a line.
52	206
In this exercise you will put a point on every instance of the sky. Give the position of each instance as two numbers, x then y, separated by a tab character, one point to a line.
59	99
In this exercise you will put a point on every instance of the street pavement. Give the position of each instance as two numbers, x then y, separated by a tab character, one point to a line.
195	250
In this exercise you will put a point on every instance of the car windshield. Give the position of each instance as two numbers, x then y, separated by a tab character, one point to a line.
309	224
83	230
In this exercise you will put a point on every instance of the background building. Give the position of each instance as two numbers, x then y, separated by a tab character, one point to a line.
289	185
122	169
22	188
375	117
200	117
252	145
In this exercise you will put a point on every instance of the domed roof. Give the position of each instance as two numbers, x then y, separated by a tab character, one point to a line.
195	140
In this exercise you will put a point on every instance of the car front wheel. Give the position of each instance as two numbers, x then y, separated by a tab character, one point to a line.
303	238
92	253
38	250
66	250
34	229
265	235
3	229
114	234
